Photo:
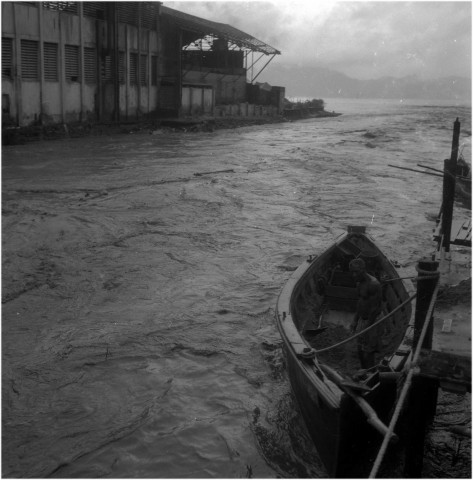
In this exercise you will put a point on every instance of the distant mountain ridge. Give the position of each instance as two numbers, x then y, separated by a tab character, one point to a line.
321	82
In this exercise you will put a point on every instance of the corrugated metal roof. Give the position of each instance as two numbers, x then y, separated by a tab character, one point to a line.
220	30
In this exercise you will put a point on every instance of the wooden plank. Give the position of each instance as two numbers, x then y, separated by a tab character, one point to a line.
457	228
336	291
464	232
460	233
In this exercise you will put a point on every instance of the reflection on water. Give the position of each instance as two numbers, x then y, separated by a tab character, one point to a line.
138	330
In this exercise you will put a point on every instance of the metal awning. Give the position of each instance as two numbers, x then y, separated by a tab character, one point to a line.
204	27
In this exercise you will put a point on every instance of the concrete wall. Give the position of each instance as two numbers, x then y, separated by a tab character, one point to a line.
64	100
245	110
227	88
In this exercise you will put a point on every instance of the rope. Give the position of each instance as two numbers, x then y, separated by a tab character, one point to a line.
430	277
349	339
405	389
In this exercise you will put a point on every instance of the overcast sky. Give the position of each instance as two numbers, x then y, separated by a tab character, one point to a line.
361	39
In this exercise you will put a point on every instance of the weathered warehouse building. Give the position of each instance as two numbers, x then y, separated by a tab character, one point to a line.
65	62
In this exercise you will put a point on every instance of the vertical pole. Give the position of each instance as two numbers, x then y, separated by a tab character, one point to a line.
62	68
425	288
41	62
148	73
116	56
180	76
17	67
98	40
81	60
127	72
448	195
415	426
423	394
138	109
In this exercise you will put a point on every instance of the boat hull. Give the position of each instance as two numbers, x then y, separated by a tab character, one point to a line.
336	424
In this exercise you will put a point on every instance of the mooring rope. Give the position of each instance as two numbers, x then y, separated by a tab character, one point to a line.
412	277
407	384
349	339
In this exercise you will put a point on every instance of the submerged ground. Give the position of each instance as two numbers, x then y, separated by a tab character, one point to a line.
140	274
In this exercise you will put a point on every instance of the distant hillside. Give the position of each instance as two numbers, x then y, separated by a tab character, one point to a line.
325	83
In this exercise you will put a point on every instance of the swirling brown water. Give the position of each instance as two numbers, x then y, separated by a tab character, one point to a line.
138	330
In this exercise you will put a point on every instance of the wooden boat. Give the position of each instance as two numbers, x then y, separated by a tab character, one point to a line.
343	408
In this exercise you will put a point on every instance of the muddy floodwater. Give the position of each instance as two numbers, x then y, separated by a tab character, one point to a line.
140	275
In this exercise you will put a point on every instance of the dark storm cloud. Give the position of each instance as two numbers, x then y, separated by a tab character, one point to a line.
360	39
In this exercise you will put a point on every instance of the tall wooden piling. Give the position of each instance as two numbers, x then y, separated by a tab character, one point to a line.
423	395
448	194
427	278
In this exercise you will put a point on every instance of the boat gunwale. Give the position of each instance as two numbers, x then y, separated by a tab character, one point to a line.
291	335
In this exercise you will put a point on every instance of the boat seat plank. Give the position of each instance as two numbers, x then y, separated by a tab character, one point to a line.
341	292
343	279
349	248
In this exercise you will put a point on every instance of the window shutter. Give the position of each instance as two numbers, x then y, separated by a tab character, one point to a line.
94	9
144	70
7	57
90	65
133	68
50	62
72	63
29	60
121	67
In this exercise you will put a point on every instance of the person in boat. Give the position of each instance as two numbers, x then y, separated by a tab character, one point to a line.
369	309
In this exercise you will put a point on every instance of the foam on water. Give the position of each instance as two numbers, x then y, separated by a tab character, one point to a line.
138	330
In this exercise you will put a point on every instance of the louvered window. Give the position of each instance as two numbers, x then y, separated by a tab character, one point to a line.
154	70
143	69
72	63
94	9
121	67
90	65
50	62
7	57
128	12
29	60
133	68
149	15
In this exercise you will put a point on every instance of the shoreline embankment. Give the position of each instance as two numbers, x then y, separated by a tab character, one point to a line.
34	133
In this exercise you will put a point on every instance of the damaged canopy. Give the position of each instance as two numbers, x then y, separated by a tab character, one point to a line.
201	28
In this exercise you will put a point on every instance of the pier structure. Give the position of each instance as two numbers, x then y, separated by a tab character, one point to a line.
442	349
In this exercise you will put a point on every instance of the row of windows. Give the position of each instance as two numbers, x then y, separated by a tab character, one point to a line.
128	12
30	64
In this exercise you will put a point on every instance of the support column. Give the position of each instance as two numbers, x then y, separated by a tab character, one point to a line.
17	68
138	108
448	194
41	62
81	58
422	403
62	69
425	289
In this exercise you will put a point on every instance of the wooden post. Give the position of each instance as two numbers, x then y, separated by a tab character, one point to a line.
425	289
426	267
448	195
423	395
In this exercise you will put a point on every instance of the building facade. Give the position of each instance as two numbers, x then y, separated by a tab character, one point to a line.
78	61
66	62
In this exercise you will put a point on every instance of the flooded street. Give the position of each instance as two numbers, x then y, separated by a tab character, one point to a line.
140	275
